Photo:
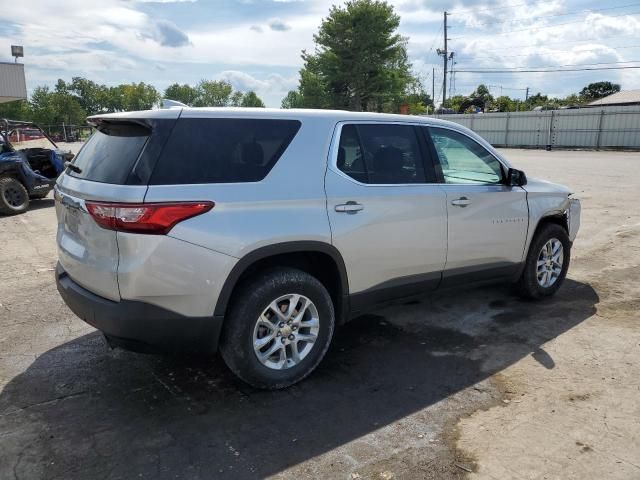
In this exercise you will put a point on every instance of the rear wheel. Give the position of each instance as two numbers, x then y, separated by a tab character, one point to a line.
278	329
546	264
14	198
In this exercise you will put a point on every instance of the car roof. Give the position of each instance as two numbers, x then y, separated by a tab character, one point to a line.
239	112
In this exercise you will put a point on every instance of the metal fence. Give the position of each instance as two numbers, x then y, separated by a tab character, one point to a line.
606	127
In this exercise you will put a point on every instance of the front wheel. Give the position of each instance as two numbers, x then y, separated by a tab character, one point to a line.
14	198
279	327
546	264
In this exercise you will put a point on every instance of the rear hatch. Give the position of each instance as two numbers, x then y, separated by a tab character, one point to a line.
113	166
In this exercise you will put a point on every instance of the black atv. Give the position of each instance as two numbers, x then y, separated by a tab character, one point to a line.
30	163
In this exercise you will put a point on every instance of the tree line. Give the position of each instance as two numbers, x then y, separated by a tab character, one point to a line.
71	102
481	100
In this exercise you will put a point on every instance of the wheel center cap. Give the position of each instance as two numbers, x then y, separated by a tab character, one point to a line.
286	331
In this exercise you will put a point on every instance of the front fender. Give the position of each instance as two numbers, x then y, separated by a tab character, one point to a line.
545	200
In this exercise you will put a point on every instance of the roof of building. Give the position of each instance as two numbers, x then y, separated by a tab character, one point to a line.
620	98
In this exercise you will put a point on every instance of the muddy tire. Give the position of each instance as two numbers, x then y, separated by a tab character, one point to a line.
14	198
278	329
546	264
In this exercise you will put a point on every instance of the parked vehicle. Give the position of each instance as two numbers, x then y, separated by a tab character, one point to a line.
30	163
258	231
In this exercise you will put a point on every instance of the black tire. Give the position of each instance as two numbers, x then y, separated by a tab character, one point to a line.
528	285
14	198
248	303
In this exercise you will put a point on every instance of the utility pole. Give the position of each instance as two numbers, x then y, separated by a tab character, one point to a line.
445	56
452	75
526	95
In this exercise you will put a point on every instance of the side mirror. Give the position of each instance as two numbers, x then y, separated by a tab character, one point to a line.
516	178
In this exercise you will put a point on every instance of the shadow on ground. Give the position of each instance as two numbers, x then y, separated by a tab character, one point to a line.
81	411
42	203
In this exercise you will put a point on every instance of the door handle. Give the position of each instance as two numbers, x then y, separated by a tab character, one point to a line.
349	207
461	202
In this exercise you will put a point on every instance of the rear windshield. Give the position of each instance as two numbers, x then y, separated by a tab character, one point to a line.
222	150
110	153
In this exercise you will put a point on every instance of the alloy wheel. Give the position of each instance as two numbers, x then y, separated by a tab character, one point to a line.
549	263
286	331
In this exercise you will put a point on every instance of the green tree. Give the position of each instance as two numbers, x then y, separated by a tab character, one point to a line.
537	100
213	93
55	107
181	93
360	61
250	99
481	97
504	104
292	100
456	102
134	96
597	90
236	98
417	99
91	96
17	110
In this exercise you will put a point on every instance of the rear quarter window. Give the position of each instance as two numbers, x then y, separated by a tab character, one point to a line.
110	153
222	150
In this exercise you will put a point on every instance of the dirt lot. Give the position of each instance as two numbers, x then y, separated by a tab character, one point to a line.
475	381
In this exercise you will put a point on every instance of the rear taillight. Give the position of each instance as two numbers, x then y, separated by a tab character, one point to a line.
149	218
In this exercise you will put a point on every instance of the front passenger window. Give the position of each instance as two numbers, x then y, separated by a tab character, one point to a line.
463	160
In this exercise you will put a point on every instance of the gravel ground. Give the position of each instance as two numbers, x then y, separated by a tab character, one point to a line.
474	383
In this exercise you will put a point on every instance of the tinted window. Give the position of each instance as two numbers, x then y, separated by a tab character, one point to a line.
350	158
381	154
110	153
463	160
218	150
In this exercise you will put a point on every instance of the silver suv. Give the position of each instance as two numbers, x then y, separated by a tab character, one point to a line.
258	231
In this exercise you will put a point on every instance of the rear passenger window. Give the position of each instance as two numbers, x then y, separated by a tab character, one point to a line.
110	153
381	154
222	150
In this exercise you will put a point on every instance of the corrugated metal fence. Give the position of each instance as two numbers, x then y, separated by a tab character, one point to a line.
605	127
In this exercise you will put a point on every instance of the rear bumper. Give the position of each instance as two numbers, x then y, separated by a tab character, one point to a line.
137	325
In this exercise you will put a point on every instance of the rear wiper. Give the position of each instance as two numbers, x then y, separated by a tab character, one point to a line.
72	167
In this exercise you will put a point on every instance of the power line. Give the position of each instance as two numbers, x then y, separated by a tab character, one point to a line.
548	26
577	12
494	57
566	65
513	47
551	70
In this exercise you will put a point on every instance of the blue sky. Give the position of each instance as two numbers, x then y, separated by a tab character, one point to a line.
256	44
